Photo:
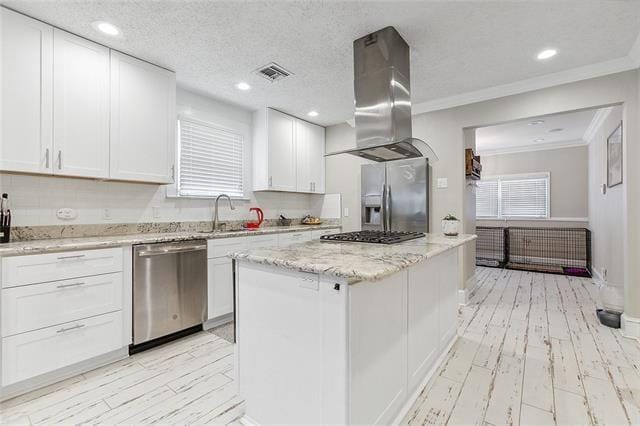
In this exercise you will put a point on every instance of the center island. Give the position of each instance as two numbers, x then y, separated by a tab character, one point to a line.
342	332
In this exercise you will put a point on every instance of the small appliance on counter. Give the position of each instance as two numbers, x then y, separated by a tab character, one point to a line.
5	219
255	225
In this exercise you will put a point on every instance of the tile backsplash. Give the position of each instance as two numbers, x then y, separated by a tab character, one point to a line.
34	200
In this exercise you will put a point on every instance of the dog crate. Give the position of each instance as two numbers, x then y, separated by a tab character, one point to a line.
491	247
554	250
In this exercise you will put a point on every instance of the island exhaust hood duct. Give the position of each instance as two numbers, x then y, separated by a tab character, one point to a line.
383	99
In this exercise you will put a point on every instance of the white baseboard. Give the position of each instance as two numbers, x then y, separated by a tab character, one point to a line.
469	289
46	379
217	322
630	327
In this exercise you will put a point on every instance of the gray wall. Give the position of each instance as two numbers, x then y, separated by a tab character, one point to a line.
606	210
568	174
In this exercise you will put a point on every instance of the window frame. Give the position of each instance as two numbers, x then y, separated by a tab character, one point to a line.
242	129
518	176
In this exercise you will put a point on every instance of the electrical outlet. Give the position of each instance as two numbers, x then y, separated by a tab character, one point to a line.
66	214
442	183
106	214
156	212
346	212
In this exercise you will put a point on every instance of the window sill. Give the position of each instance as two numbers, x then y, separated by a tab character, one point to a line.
541	219
193	197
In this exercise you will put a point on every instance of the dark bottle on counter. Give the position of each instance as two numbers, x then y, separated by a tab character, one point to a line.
5	219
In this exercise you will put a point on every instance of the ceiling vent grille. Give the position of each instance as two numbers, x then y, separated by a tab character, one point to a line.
273	72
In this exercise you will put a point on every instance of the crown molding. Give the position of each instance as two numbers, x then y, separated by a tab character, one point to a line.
531	148
634	53
596	122
549	80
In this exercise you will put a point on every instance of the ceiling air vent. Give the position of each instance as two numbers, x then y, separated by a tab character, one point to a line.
273	72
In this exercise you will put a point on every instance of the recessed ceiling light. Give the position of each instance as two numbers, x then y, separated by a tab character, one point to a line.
539	140
546	54
557	129
312	113
243	86
106	28
536	122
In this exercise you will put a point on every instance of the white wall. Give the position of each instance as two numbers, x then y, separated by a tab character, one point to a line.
605	210
445	131
35	199
568	175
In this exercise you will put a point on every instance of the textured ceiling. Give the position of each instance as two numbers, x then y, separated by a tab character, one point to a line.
457	47
527	133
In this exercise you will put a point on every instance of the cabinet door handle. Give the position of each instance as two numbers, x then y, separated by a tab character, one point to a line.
60	160
75	327
77	256
173	173
46	158
70	285
270	181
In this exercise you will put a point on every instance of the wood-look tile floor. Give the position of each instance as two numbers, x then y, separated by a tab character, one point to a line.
189	381
530	351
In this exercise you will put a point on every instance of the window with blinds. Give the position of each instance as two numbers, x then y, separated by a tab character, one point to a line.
210	162
525	196
487	198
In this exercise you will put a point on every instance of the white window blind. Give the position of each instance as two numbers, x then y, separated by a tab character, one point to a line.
487	198
525	196
211	160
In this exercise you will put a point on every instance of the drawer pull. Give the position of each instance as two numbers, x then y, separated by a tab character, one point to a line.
77	256
75	327
69	285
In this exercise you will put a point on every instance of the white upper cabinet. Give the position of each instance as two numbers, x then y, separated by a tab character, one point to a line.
310	157
72	107
26	93
143	120
288	153
80	107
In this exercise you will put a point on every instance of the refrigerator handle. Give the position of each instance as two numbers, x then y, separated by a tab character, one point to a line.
383	207
387	208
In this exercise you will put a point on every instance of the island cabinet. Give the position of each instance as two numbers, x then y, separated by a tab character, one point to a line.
315	349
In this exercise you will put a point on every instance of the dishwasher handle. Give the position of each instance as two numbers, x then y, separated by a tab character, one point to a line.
171	250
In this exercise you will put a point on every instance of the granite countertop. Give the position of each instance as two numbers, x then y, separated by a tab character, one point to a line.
353	261
82	243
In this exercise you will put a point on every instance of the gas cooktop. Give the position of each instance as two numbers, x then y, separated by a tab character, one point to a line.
376	237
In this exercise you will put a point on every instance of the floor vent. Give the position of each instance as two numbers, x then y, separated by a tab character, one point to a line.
273	72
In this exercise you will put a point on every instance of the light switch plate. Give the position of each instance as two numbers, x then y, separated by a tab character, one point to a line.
66	214
346	212
443	183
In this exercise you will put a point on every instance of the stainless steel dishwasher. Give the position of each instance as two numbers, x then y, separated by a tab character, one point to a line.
169	291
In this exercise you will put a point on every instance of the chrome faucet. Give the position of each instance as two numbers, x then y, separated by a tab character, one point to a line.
216	225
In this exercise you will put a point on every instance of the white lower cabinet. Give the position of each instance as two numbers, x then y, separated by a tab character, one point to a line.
37	352
220	288
293	238
61	309
35	306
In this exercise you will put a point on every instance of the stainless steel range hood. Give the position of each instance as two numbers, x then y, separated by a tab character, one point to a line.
383	99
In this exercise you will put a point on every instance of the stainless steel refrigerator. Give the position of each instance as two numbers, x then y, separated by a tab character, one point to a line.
395	195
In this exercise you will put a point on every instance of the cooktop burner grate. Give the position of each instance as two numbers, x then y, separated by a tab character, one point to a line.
375	237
